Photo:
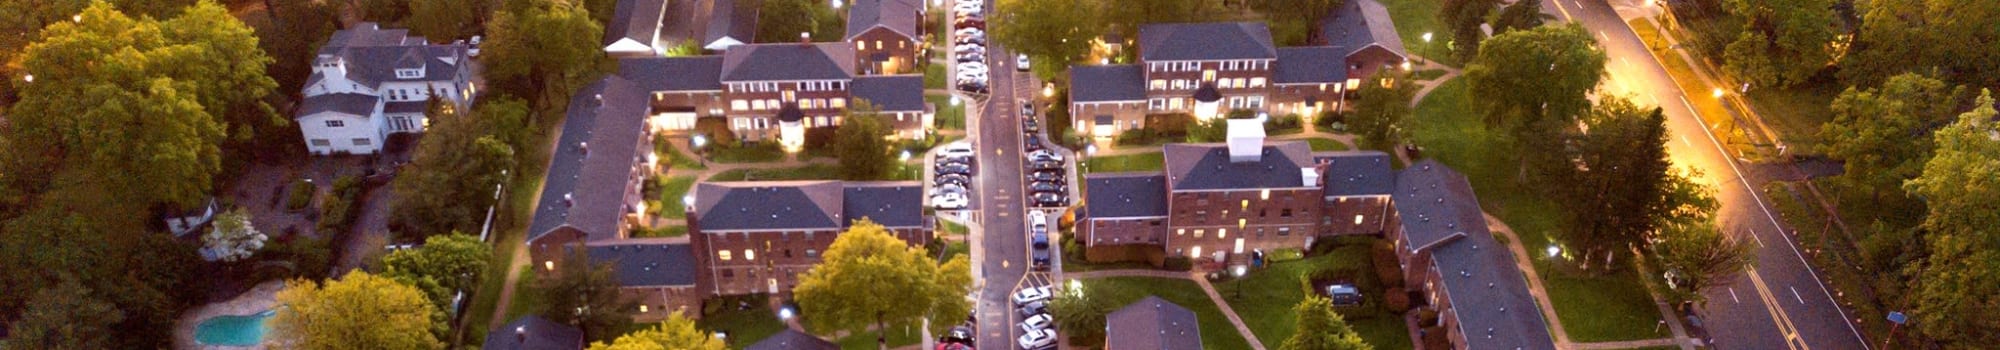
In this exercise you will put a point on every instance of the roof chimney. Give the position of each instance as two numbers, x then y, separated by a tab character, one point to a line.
1246	140
1309	176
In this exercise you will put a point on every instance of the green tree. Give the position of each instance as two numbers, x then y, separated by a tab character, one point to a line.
1051	33
1877	131
444	20
1080	313
864	153
358	311
781	21
1700	257
384	11
1382	111
677	333
1462	19
1211	130
1956	37
1959	185
451	179
1784	42
1292	21
1126	16
1520	15
292	40
228	74
1617	187
451	262
585	295
56	245
868	277
66	316
541	50
1524	76
1319	328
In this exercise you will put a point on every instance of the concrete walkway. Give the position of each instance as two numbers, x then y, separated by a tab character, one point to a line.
1206	288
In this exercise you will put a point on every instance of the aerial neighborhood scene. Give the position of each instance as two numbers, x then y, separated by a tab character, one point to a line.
999	174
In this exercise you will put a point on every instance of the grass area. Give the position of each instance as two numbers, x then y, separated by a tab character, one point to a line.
1796	113
1414	18
1321	144
749	152
665	231
1267	297
675	157
948	228
1428	74
525	298
509	231
745	327
1602	308
949	117
934	76
808	172
671	191
1151	161
898	337
1216	332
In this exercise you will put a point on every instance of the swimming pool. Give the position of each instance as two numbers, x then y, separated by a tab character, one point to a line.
233	330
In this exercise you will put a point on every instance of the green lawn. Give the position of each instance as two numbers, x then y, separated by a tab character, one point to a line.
671	192
1796	113
1415	17
1269	294
808	172
526	300
1606	308
945	227
1151	161
934	76
509	230
1321	144
949	117
745	327
898	337
749	152
1216	332
676	158
1428	74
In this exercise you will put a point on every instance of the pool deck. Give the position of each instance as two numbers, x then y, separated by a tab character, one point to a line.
258	299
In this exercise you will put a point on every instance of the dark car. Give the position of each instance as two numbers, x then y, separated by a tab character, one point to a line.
1047	199
1042	258
972	87
1047	176
955	168
955	179
1032	142
969	22
1042	186
1027	109
957	335
1028	124
1047	166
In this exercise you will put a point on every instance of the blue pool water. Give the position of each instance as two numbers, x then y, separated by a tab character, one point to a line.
233	330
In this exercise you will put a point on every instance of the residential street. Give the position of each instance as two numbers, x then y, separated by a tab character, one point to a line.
1780	303
997	139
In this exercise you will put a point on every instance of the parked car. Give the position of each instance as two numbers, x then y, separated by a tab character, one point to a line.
971	57
1041	256
950	201
1038	338
1047	199
953	179
955	168
1045	156
1035	323
957	149
948	188
1032	294
958	335
1046	166
1047	176
969	22
1027	108
1032	143
1041	186
1344	294
972	86
1033	308
1021	63
968	32
1029	125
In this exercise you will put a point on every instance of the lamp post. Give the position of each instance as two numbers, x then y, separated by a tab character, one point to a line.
904	161
1427	43
1238	272
700	147
1088	151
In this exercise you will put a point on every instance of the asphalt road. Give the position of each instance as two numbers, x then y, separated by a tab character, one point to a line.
997	138
1778	304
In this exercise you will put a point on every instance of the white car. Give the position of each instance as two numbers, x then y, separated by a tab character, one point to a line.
1035	323
1021	62
950	201
969	32
947	189
1032	294
1045	155
955	150
1037	339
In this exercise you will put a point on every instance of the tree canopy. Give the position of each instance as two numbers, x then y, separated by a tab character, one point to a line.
676	333
1382	111
1060	32
1462	19
781	21
1617	180
231	237
1080	313
585	295
445	20
358	311
1784	42
864	153
1524	76
1959	184
451	179
450	262
1958	38
541	50
868	277
1878	131
1319	328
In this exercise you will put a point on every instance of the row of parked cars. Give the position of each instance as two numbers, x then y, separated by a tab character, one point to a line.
1046	176
1037	327
953	177
969	45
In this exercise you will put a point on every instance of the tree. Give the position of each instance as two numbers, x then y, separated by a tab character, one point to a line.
358	311
1292	21
66	316
1462	18
1954	37
54	246
384	11
868	277
1784	42
585	295
1617	176
677	332
451	262
1051	33
451	179
1080	313
1319	328
1959	185
864	153
292	40
540	50
1211	130
232	237
1878	132
228	75
443	20
1700	258
1521	15
1126	16
1523	76
1382	110
781	21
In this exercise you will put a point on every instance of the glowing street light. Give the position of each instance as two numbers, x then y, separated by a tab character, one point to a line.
785	313
954	100
1076	287
1718	92
700	141
29	77
1048	89
1554	250
1427	37
905	157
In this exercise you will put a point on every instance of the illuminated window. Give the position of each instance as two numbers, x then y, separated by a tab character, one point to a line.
722	254
642	308
1357	219
549	265
1198	233
1246	202
1256	82
1265	195
1182	232
750	255
1222	233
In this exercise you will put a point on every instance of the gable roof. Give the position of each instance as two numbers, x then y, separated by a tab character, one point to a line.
1125	195
1107	83
1309	64
696	73
589	187
766	62
533	333
1206	166
890	93
1360	23
891	204
345	103
790	339
372	55
637	21
734	20
1152	323
899	16
1478	274
1355	173
648	262
1205	41
1436	205
768	205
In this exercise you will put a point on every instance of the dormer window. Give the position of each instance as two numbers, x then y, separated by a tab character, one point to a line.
408	73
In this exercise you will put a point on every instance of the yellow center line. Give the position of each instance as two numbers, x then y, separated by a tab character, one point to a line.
1778	314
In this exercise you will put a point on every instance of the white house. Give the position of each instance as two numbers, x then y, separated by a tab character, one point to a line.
370	82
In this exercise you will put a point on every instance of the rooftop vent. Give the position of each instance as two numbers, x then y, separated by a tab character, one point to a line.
1246	140
1464	273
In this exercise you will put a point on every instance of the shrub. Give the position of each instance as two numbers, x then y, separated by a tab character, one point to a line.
337	216
1326	120
1283	124
301	195
1396	299
1285	254
1137	137
1072	248
1386	266
1178	263
1427	318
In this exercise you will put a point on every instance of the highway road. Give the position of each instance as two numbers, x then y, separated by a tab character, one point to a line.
1780	303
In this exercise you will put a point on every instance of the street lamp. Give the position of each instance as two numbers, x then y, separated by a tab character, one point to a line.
1718	92
1238	272
1554	250
29	78
904	161
954	100
1048	90
1089	150
1076	286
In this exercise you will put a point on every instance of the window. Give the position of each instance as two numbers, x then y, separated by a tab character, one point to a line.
1159	84
878	44
1284	231
749	255
1199	232
727	273
739	105
362	141
788	252
1255	102
1237	83
1357	219
1180	84
810	253
1180	232
757	105
1221	233
860	45
1285	213
335	123
1256	82
740	123
1157	103
838	102
321	143
1208	75
722	255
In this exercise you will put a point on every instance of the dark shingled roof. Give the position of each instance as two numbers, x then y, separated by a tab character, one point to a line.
1125	195
789	339
696	73
1206	166
767	62
1358	24
647	262
891	204
590	190
1309	65
533	333
768	205
349	103
1478	274
1123	82
1152	323
1356	173
1205	41
637	20
891	93
899	16
373	54
1207	93
731	19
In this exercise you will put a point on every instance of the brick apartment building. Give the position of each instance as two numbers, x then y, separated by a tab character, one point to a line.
758	237
775	91
887	35
1206	69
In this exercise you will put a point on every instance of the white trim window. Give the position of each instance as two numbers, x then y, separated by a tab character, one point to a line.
1254	102
1156	104
335	123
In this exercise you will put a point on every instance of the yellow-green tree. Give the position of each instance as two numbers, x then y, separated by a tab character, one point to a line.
358	311
869	277
1961	184
677	333
1319	328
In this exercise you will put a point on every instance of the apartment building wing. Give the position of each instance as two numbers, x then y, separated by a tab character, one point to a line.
894	205
1355	188
886	34
788	62
1124	216
1366	38
656	273
729	23
1108	99
634	29
534	333
1152	323
1308	79
591	192
1210	167
758	237
1471	279
1215	41
899	99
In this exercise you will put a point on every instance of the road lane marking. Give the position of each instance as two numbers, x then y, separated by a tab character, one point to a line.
1778	315
1795	295
1732	295
1760	240
1684	141
1600	34
1565	12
